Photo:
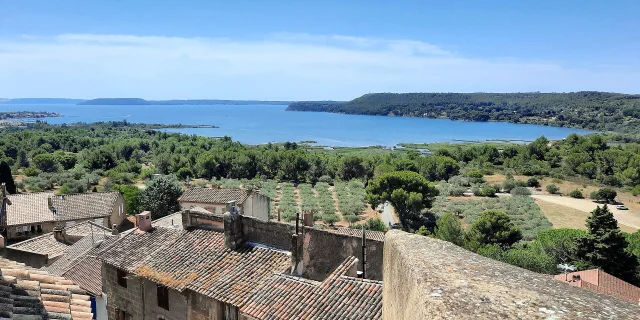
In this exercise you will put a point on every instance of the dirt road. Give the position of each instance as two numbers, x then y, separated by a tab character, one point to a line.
628	218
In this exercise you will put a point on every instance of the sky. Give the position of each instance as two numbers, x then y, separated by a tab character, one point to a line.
314	50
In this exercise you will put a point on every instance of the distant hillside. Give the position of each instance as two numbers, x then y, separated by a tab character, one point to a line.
41	101
138	101
589	110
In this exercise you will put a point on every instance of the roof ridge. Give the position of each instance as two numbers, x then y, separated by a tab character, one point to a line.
31	239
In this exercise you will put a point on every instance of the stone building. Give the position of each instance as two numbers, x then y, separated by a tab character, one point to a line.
251	203
33	214
225	267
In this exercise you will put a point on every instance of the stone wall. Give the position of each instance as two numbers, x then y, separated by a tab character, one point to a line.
324	251
119	298
275	234
177	303
426	278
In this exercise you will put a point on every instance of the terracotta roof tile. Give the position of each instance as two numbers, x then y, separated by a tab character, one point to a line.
338	297
173	220
32	208
214	195
87	273
26	293
198	260
136	246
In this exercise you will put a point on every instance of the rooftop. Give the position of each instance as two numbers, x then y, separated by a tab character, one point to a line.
338	297
371	235
49	245
33	208
214	195
27	293
601	282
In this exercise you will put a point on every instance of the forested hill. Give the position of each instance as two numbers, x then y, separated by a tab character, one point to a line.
138	101
587	109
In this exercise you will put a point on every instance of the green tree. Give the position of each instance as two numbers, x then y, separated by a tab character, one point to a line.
131	195
351	168
206	165
577	194
493	227
45	162
605	246
161	197
552	188
607	194
407	191
533	182
559	244
67	161
7	178
448	228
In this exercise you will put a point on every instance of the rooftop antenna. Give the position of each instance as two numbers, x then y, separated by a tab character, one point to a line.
565	267
364	254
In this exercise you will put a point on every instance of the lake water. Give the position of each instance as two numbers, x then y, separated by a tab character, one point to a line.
258	124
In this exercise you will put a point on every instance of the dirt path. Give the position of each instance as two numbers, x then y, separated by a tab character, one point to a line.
629	218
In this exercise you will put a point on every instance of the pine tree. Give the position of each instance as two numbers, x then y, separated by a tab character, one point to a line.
605	246
7	178
448	228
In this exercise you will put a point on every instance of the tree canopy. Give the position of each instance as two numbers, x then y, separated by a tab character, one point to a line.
161	197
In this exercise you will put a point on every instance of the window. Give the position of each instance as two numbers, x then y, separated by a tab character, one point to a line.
163	297
123	315
33	229
122	278
39	228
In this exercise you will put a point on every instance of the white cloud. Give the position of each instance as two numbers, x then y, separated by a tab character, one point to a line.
281	66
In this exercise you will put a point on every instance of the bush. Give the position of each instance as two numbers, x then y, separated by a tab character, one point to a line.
351	218
330	219
521	183
552	188
636	190
577	194
594	196
533	182
508	185
487	191
607	194
520	191
30	172
326	179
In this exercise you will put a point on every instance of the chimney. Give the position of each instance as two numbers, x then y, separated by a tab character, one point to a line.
307	219
297	255
50	202
114	230
233	238
143	221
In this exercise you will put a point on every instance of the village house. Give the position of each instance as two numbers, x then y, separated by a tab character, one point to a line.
601	282
225	267
33	214
250	202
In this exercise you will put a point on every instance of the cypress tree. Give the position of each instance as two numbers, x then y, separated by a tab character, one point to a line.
605	246
7	178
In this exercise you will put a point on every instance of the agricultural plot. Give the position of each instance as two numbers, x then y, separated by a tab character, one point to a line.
522	210
269	188
325	198
350	199
288	204
308	200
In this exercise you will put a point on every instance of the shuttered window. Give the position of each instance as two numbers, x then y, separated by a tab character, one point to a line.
163	297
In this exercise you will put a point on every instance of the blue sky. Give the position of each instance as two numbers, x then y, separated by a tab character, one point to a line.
307	50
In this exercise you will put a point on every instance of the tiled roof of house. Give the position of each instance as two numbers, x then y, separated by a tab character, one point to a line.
338	297
214	195
371	235
134	247
87	273
32	208
27	293
44	244
198	260
602	282
80	264
173	220
47	243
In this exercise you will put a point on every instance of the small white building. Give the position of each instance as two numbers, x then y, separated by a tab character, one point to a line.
251	203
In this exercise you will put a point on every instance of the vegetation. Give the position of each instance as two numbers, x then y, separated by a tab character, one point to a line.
552	189
590	110
161	197
131	195
448	228
606	247
576	194
374	224
7	178
407	191
493	227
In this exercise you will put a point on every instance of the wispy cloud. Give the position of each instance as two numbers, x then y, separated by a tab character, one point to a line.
280	66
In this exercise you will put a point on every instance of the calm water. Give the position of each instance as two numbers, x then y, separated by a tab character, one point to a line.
257	124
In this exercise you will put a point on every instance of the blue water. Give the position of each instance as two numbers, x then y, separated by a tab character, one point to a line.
258	124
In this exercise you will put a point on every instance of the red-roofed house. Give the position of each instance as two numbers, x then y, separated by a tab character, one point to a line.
602	282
